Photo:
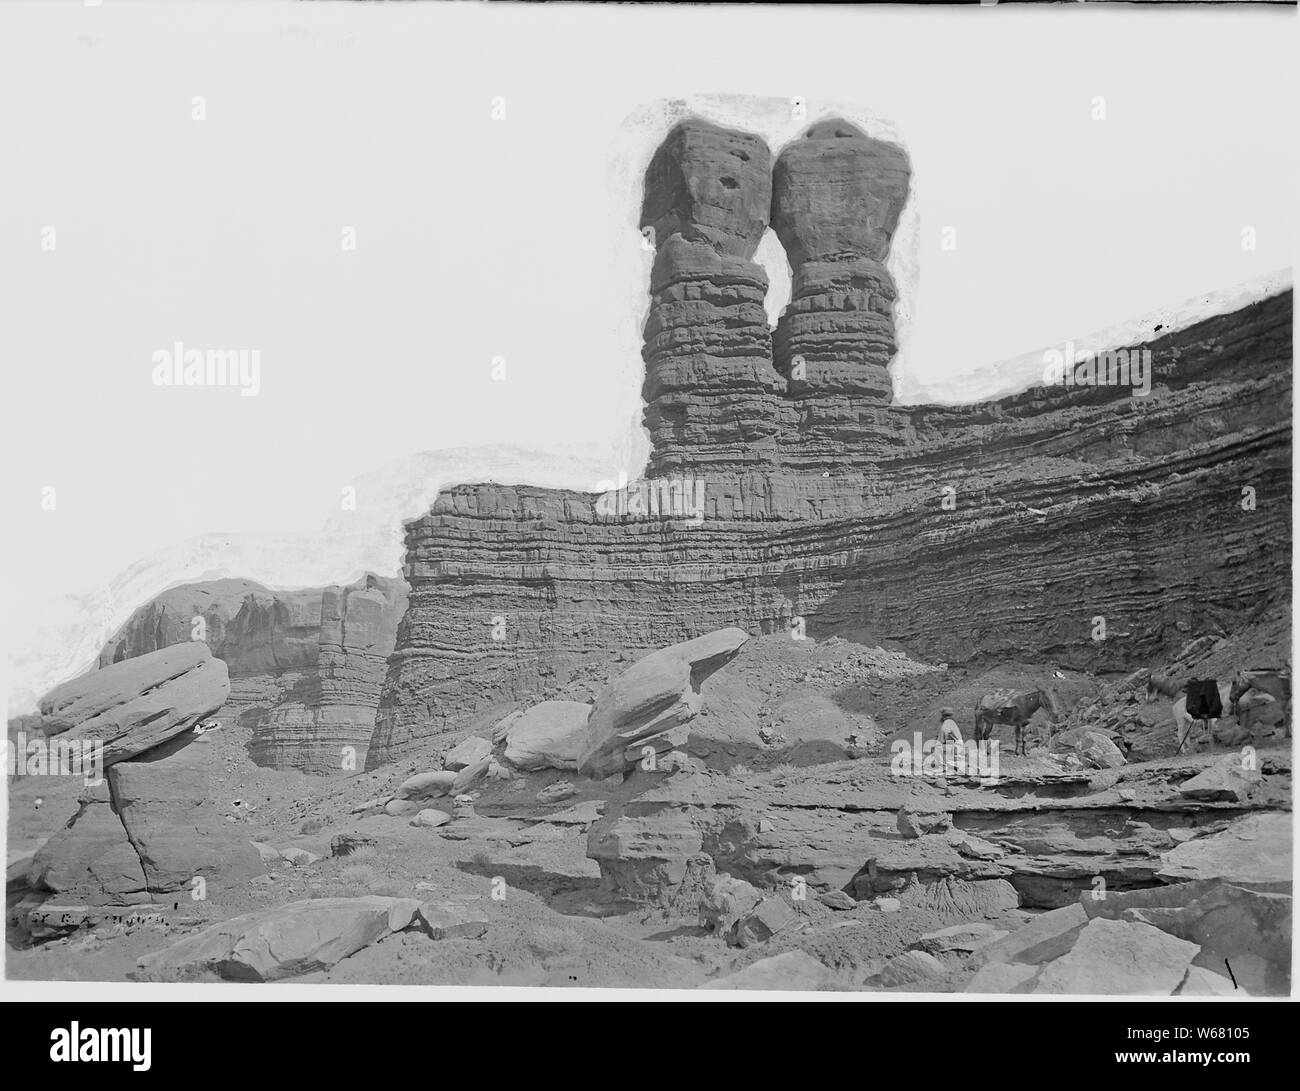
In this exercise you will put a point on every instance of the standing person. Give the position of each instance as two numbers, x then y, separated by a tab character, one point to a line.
952	745
949	732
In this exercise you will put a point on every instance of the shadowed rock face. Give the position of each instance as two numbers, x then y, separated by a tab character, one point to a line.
305	666
996	531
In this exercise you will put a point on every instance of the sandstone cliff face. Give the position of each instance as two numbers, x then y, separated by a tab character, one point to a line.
305	666
785	491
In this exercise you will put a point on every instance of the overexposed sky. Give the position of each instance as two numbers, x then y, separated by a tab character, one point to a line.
481	238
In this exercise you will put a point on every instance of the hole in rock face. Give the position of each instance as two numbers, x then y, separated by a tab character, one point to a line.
771	256
742	156
729	183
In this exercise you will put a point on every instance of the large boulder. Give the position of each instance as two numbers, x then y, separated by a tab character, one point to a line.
651	703
725	902
162	800
91	861
146	833
1119	958
1254	852
287	941
1094	749
547	736
1042	939
426	785
137	704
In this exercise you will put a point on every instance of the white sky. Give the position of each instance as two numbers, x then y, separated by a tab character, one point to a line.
479	239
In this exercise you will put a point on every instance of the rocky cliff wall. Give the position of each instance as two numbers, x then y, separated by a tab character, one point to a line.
305	666
786	491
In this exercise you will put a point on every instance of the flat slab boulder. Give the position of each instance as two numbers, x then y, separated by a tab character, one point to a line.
1119	958
550	735
454	920
652	698
288	941
1046	937
138	704
1226	781
1254	852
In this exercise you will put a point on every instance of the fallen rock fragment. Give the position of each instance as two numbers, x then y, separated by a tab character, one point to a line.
1047	936
454	920
288	941
763	922
725	902
431	818
556	793
467	752
837	900
1094	749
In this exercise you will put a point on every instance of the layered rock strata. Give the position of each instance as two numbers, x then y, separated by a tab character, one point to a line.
786	492
305	666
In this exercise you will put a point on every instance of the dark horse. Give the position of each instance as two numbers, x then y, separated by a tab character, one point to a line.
1015	709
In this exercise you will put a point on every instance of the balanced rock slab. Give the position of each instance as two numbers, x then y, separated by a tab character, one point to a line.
137	704
649	701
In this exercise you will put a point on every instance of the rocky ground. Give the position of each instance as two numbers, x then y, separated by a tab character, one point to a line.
772	846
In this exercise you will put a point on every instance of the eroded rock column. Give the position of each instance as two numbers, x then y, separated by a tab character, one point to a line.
836	198
711	395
